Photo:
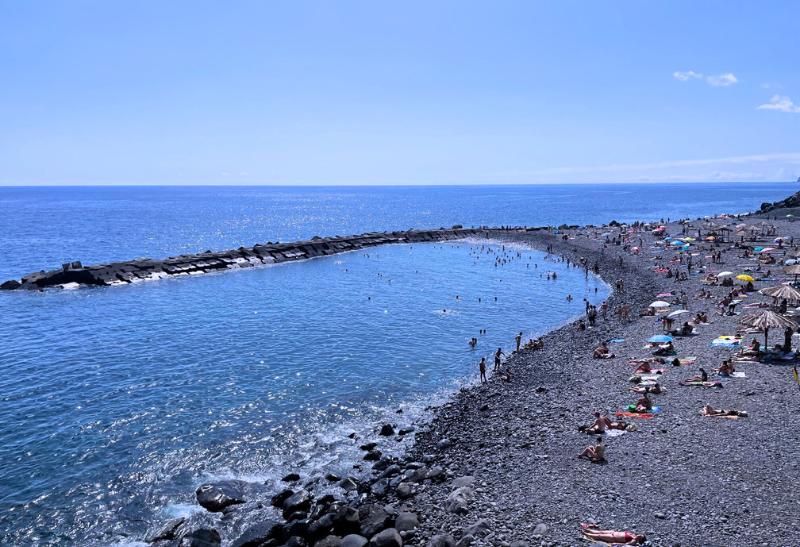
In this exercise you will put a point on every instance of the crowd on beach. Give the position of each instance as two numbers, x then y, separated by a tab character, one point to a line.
679	257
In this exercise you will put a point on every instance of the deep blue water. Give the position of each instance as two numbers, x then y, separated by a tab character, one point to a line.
116	403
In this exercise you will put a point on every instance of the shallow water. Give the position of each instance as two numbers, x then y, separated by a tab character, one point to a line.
124	399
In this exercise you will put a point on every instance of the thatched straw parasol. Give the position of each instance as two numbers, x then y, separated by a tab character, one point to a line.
765	320
782	292
794	270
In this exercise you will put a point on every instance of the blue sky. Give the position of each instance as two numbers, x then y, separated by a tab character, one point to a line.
240	92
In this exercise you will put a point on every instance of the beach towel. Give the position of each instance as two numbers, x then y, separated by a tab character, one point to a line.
642	415
687	360
649	377
738	375
616	341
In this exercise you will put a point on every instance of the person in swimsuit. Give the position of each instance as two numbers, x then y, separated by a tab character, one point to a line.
497	355
644	404
519	339
595	453
594	533
482	366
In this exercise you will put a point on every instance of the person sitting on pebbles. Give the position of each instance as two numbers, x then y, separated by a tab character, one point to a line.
702	376
754	350
595	453
601	424
644	404
726	368
602	352
594	533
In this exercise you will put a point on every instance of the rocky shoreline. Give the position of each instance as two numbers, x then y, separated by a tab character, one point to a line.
497	464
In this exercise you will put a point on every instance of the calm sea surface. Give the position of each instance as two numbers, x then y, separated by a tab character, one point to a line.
116	403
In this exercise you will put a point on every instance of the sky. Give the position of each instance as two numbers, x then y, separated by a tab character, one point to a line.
373	93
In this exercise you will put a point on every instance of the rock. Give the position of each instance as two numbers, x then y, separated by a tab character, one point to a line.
167	532
406	431
291	477
368	446
444	443
330	477
373	455
406	522
442	540
256	535
520	543
346	521
349	484
279	498
201	537
373	520
329	541
299	501
479	529
540	530
387	430
10	285
354	540
380	487
217	496
458	500
321	527
435	474
388	538
465	541
294	541
404	490
463	481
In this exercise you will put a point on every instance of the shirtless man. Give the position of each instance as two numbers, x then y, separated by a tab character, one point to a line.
518	338
726	368
708	410
482	366
593	532
602	352
595	453
599	425
497	355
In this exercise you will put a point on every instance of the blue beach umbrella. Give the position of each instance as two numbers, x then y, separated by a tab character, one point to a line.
660	339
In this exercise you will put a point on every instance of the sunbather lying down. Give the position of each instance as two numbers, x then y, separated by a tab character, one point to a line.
708	410
700	383
654	389
594	533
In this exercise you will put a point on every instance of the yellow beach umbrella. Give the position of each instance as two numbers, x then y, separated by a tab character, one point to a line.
746	278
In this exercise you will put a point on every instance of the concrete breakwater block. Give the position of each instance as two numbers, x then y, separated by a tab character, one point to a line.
147	269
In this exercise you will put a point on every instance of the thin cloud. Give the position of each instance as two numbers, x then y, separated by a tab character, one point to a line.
686	76
781	103
716	80
722	80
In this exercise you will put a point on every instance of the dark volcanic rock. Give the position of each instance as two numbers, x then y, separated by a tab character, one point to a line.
291	477
299	501
201	537
10	285
387	430
168	531
258	534
373	520
387	538
217	496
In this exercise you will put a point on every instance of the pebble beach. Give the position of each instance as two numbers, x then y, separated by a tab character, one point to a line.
497	465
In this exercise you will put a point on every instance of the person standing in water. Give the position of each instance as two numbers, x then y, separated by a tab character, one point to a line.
482	366
518	339
497	355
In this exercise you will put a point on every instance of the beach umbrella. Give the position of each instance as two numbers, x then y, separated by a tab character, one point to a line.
660	339
659	304
793	270
746	278
765	320
782	292
725	274
676	313
767	250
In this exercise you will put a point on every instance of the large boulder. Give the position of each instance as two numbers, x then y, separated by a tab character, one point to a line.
354	540
258	534
458	500
406	522
215	497
167	532
201	537
388	538
442	540
299	501
373	520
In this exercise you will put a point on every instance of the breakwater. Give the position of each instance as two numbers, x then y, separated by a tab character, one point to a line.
75	274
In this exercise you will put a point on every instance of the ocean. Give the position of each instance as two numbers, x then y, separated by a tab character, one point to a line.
118	402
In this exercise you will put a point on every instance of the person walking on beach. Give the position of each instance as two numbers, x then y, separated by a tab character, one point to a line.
518	339
497	355
482	367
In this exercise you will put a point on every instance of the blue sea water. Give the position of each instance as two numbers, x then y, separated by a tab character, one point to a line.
118	402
